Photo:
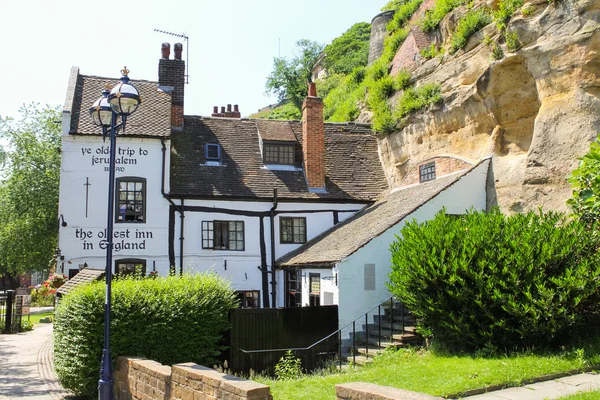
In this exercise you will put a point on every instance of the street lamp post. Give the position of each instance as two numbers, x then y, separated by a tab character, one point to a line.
121	101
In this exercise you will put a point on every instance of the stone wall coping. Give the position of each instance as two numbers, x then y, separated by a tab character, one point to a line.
371	391
232	384
152	368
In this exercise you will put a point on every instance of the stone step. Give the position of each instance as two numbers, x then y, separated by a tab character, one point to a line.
359	360
386	330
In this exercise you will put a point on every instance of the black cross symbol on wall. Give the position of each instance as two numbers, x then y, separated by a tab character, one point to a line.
87	185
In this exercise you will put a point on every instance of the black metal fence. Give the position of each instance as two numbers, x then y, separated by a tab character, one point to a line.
260	337
11	307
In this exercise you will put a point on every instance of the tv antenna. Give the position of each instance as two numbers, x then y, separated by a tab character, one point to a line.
186	39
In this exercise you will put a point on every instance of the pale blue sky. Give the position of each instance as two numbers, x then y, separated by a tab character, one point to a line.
232	44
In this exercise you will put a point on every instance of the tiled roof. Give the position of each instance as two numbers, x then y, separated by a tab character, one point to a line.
152	118
344	239
275	130
352	167
85	276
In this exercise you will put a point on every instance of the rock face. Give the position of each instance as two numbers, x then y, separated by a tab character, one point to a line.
535	110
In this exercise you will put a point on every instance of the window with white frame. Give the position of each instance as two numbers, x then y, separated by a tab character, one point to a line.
223	235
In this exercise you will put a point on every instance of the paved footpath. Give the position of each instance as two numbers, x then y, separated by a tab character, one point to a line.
26	368
553	389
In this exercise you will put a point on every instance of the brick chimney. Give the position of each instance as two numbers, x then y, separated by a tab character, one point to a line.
171	79
313	140
227	114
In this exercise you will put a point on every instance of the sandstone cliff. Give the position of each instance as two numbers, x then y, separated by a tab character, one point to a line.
535	110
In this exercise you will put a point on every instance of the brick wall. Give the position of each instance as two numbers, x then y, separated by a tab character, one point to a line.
141	379
313	141
369	391
171	72
405	56
443	166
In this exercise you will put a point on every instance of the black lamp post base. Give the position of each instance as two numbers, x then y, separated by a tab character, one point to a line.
105	384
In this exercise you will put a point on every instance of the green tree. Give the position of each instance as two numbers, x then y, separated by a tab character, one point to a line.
585	181
289	78
349	51
29	181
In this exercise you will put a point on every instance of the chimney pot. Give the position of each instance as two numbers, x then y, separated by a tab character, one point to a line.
312	89
222	109
215	109
228	107
236	108
166	50
178	50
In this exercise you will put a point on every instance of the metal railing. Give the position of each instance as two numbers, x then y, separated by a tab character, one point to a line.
10	315
313	355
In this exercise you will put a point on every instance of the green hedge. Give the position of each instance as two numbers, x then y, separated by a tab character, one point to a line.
487	280
169	320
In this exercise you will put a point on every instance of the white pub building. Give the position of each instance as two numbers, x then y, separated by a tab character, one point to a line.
270	205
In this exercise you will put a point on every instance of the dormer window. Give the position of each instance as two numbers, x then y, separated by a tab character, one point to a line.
427	172
212	153
278	153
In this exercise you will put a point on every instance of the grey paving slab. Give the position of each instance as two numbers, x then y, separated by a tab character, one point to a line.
19	375
549	390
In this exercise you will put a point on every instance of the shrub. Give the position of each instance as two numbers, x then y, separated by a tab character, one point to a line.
472	22
403	14
402	80
430	52
585	182
169	320
285	111
490	280
434	16
497	53
506	9
512	40
288	367
415	99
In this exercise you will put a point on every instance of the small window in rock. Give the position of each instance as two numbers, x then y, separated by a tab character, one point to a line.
427	172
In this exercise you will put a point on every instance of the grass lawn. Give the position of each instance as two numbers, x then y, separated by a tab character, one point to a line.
583	396
35	318
438	374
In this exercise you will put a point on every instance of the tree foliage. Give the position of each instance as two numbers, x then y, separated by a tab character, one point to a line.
484	280
349	51
290	77
585	181
29	181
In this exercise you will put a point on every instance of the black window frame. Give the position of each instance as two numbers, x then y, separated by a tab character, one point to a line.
293	287
279	158
296	238
127	180
207	150
427	172
209	235
252	301
134	261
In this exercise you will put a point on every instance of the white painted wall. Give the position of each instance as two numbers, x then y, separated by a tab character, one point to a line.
241	267
354	301
84	159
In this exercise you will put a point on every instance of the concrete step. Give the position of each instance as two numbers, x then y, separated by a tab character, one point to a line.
386	330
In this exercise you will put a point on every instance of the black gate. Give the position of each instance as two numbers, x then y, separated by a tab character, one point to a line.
260	337
10	312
